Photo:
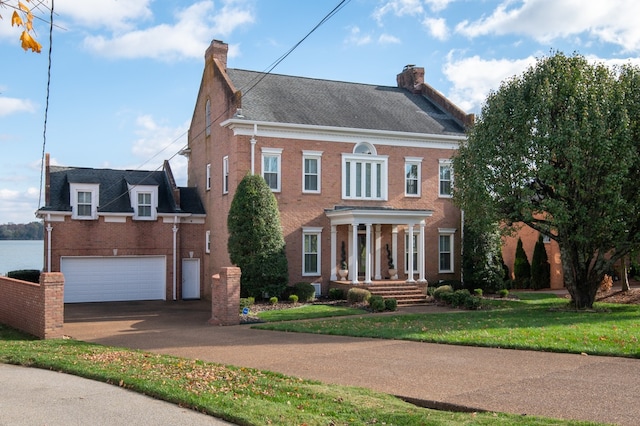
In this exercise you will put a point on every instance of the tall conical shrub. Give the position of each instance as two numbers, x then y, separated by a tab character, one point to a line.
521	267
540	267
256	243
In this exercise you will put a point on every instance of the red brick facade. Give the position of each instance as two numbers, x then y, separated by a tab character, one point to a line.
243	148
37	309
529	238
103	238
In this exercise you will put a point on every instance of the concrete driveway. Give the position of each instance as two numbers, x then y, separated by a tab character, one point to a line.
565	386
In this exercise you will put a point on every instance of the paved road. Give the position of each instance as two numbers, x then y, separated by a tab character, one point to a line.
31	396
565	386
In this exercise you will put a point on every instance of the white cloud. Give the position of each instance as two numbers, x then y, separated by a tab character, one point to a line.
438	5
18	206
398	8
613	21
187	37
473	78
356	38
157	143
112	14
437	27
14	105
388	39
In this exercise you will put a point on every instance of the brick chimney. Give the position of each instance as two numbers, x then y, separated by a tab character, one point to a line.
411	78
217	50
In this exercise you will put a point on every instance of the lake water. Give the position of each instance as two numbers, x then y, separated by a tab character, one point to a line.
18	254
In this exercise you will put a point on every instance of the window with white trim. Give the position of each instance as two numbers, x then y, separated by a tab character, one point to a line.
207	111
364	174
207	242
311	251
412	176
416	235
144	204
271	166
311	166
144	200
445	178
225	175
445	250
84	201
208	178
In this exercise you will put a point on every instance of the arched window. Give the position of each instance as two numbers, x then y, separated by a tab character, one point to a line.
365	148
208	117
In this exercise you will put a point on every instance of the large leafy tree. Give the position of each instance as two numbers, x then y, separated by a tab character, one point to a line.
256	243
558	149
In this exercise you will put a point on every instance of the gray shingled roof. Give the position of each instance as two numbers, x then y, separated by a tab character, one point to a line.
299	100
114	197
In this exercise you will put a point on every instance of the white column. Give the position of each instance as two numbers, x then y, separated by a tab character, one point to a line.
353	255
49	229
421	254
334	234
410	256
394	248
378	275
175	257
368	255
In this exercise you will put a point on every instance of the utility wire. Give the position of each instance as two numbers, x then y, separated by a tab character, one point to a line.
46	108
252	85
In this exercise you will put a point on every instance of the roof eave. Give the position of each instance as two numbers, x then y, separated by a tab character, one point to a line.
244	127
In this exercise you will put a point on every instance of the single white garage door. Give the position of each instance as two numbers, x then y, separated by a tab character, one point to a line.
111	279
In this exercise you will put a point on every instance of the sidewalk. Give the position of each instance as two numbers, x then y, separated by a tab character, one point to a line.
31	396
565	386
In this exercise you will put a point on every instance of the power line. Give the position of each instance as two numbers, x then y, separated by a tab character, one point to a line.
46	108
252	85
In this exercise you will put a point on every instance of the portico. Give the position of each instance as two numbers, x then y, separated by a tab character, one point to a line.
365	241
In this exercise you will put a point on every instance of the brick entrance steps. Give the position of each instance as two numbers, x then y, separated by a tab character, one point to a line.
405	294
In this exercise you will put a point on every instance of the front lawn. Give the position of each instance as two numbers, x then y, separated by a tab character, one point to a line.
536	321
241	395
308	312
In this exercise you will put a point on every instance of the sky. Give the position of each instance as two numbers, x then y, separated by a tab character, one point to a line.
125	74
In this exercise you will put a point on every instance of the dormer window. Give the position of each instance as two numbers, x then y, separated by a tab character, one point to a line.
144	200
84	201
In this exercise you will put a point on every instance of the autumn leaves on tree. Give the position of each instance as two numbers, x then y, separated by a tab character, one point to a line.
22	17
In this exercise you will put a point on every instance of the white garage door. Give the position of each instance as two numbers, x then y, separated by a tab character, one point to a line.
110	279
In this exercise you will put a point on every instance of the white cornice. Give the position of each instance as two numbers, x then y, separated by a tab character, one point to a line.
244	127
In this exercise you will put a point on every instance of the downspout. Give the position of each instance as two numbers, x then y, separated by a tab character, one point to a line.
49	229
253	149
175	255
462	245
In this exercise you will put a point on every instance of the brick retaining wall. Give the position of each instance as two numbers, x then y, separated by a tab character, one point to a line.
37	309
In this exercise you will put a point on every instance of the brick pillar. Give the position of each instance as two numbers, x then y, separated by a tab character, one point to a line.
52	287
225	297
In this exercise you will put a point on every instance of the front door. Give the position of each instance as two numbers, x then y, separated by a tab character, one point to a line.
362	253
191	278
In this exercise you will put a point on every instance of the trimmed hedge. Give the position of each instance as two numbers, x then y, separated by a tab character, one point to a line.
30	275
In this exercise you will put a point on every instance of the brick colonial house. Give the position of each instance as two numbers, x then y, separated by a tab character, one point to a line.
351	165
122	234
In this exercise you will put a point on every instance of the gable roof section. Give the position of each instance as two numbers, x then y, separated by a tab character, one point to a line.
114	195
307	101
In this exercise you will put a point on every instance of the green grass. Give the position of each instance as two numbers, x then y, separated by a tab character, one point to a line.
537	321
240	395
308	312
